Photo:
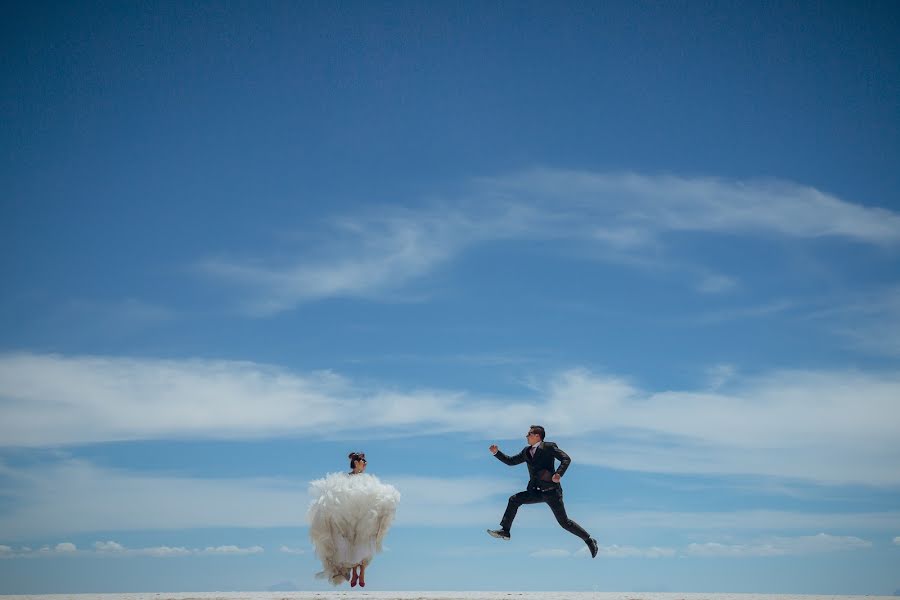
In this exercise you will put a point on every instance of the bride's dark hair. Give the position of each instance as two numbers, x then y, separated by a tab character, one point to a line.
355	456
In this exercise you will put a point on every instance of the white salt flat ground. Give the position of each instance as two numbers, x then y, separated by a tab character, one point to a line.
350	595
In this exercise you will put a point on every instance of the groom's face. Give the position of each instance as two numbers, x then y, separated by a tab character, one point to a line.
532	437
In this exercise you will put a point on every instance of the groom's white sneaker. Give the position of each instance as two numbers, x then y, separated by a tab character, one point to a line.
499	533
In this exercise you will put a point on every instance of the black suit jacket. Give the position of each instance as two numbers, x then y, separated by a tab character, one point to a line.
540	468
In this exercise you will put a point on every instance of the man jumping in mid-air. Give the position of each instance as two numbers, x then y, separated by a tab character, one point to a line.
543	485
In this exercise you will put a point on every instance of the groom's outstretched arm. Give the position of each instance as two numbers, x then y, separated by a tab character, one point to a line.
510	460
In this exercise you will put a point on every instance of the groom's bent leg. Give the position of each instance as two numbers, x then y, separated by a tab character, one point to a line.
515	501
555	501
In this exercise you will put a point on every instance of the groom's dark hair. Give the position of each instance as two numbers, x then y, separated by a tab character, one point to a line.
538	430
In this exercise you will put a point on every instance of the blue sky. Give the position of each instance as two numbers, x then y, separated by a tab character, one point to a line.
240	240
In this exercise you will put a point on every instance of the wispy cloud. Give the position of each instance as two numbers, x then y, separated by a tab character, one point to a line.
617	551
771	546
719	375
71	497
75	497
624	214
653	203
803	424
832	426
231	550
367	256
743	313
109	399
781	546
437	502
868	321
114	549
61	549
736	521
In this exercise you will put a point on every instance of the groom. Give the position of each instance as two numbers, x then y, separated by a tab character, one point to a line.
543	485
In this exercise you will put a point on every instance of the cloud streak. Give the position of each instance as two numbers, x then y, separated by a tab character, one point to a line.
869	322
658	203
632	219
826	426
73	497
114	549
623	215
737	521
767	547
821	543
781	546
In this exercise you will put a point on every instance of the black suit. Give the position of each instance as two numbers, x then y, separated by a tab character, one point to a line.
541	487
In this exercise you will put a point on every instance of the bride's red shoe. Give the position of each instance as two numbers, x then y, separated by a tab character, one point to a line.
353	580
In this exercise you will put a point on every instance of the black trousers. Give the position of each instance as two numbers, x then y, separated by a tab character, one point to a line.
554	499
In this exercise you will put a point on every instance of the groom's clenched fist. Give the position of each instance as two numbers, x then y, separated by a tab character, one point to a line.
493	448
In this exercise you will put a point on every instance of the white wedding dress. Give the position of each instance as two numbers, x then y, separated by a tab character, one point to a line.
348	517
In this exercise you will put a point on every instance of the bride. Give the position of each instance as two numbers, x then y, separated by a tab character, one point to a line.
348	517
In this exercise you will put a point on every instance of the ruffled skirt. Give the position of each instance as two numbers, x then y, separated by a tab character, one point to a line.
349	516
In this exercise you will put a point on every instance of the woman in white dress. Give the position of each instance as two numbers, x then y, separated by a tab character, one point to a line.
349	515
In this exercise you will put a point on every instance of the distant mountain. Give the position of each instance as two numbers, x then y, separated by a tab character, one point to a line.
284	586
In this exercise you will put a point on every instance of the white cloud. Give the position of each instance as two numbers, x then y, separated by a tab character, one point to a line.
437	501
111	548
370	254
781	546
61	549
108	546
114	549
772	546
50	400
74	497
734	521
658	203
232	550
616	551
289	550
800	424
163	551
832	426
77	497
897	540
